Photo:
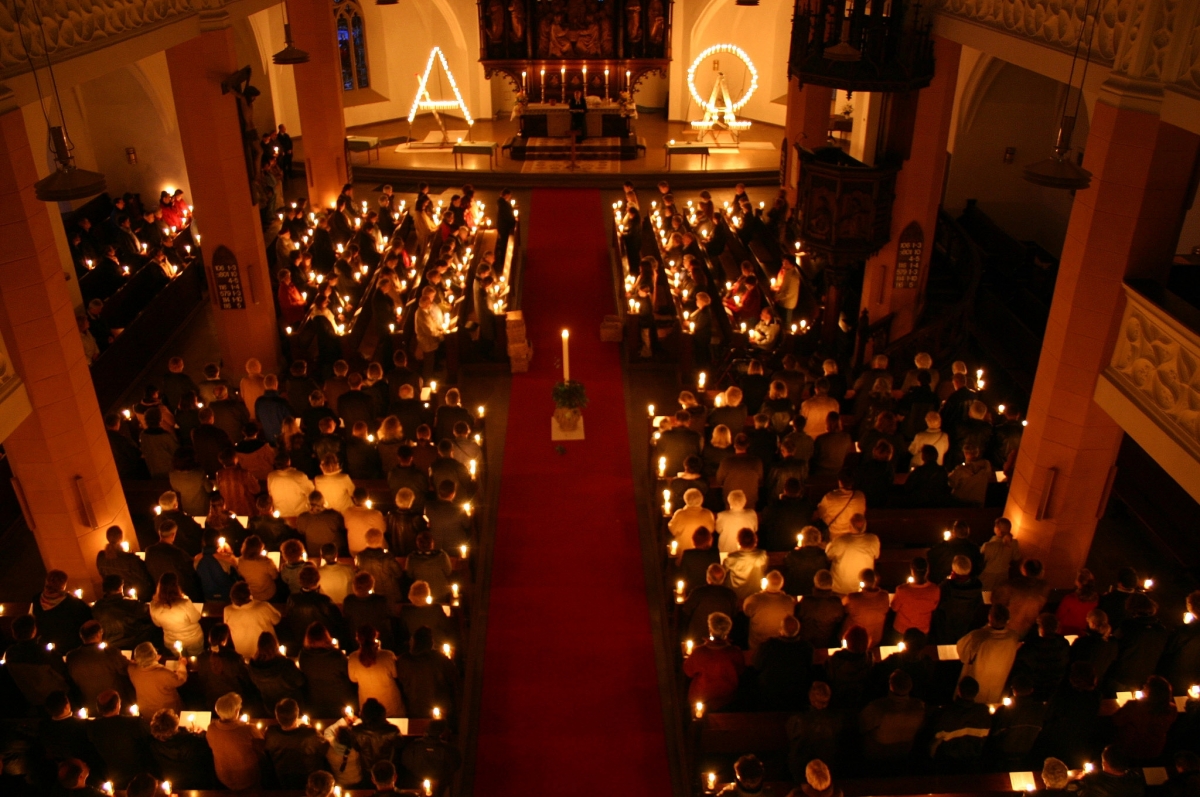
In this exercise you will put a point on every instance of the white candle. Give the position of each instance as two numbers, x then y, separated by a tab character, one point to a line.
566	356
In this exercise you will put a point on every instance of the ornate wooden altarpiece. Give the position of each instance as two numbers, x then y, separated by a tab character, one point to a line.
629	38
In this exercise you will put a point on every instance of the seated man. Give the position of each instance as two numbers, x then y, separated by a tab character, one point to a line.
320	525
294	749
449	522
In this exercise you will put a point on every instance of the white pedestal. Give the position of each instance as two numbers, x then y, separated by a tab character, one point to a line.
557	433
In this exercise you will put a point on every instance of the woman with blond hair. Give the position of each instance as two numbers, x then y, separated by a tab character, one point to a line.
389	437
177	616
374	670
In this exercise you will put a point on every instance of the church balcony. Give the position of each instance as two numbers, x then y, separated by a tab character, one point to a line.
1151	386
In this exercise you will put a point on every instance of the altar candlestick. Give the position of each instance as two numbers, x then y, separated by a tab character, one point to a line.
629	83
606	85
524	82
563	80
543	95
566	357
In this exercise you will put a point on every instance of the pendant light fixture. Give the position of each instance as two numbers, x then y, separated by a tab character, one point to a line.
1059	170
68	182
290	55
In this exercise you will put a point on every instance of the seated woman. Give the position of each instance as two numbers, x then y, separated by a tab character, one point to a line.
220	669
374	670
326	675
275	676
247	619
156	686
177	616
733	520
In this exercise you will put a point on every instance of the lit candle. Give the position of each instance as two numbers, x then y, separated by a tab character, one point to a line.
566	358
946	534
674	547
427	785
689	646
134	710
650	410
662	467
712	776
698	709
524	83
563	80
462	549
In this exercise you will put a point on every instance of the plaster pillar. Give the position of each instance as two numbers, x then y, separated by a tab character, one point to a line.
1124	225
319	98
807	126
63	467
225	214
919	189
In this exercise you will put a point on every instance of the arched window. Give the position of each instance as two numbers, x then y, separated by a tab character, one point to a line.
352	45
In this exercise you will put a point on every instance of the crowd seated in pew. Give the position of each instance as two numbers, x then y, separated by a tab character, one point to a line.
391	280
288	589
846	592
124	256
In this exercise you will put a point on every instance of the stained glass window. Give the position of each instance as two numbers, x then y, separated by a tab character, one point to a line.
352	45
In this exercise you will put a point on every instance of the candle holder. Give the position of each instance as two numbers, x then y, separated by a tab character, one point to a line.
570	398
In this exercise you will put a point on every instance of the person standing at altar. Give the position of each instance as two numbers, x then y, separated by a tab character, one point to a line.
506	222
578	106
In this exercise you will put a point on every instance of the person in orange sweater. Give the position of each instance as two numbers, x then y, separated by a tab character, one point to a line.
715	666
916	601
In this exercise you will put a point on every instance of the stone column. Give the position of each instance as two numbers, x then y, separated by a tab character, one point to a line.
919	188
1124	225
807	125
61	460
226	216
319	97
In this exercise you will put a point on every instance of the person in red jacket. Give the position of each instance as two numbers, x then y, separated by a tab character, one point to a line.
714	667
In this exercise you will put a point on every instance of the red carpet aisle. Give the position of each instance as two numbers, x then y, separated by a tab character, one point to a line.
570	694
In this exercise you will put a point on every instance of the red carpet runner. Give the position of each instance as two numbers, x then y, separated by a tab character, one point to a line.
570	693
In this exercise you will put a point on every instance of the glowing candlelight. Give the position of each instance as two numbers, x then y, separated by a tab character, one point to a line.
1148	583
689	646
427	785
946	535
698	710
462	549
662	467
566	358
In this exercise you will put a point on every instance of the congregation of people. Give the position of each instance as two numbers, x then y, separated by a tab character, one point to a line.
967	662
272	592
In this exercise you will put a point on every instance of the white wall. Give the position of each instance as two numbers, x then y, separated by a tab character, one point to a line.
134	107
763	31
399	40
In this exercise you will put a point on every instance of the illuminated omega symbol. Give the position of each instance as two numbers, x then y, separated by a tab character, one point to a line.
713	113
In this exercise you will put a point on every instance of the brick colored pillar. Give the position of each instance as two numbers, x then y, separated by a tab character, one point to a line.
60	454
225	213
807	125
319	97
1124	225
918	196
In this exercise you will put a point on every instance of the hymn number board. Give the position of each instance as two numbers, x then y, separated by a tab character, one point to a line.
228	280
909	249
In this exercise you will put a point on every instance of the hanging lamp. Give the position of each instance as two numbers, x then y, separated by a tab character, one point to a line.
290	55
68	182
1060	171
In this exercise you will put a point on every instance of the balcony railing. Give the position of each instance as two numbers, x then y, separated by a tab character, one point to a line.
1151	386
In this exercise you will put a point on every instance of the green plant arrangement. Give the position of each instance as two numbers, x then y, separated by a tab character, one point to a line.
569	400
570	395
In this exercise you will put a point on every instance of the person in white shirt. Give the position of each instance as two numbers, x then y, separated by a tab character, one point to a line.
850	554
360	519
289	488
177	616
838	507
337	579
689	518
733	520
745	567
337	487
932	436
247	619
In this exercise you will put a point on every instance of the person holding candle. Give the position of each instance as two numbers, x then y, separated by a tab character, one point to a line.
714	666
275	676
177	616
156	686
182	755
237	746
690	517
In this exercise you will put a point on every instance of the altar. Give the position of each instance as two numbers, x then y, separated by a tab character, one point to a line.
553	120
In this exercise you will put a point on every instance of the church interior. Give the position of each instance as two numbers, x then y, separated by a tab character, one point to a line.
659	397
